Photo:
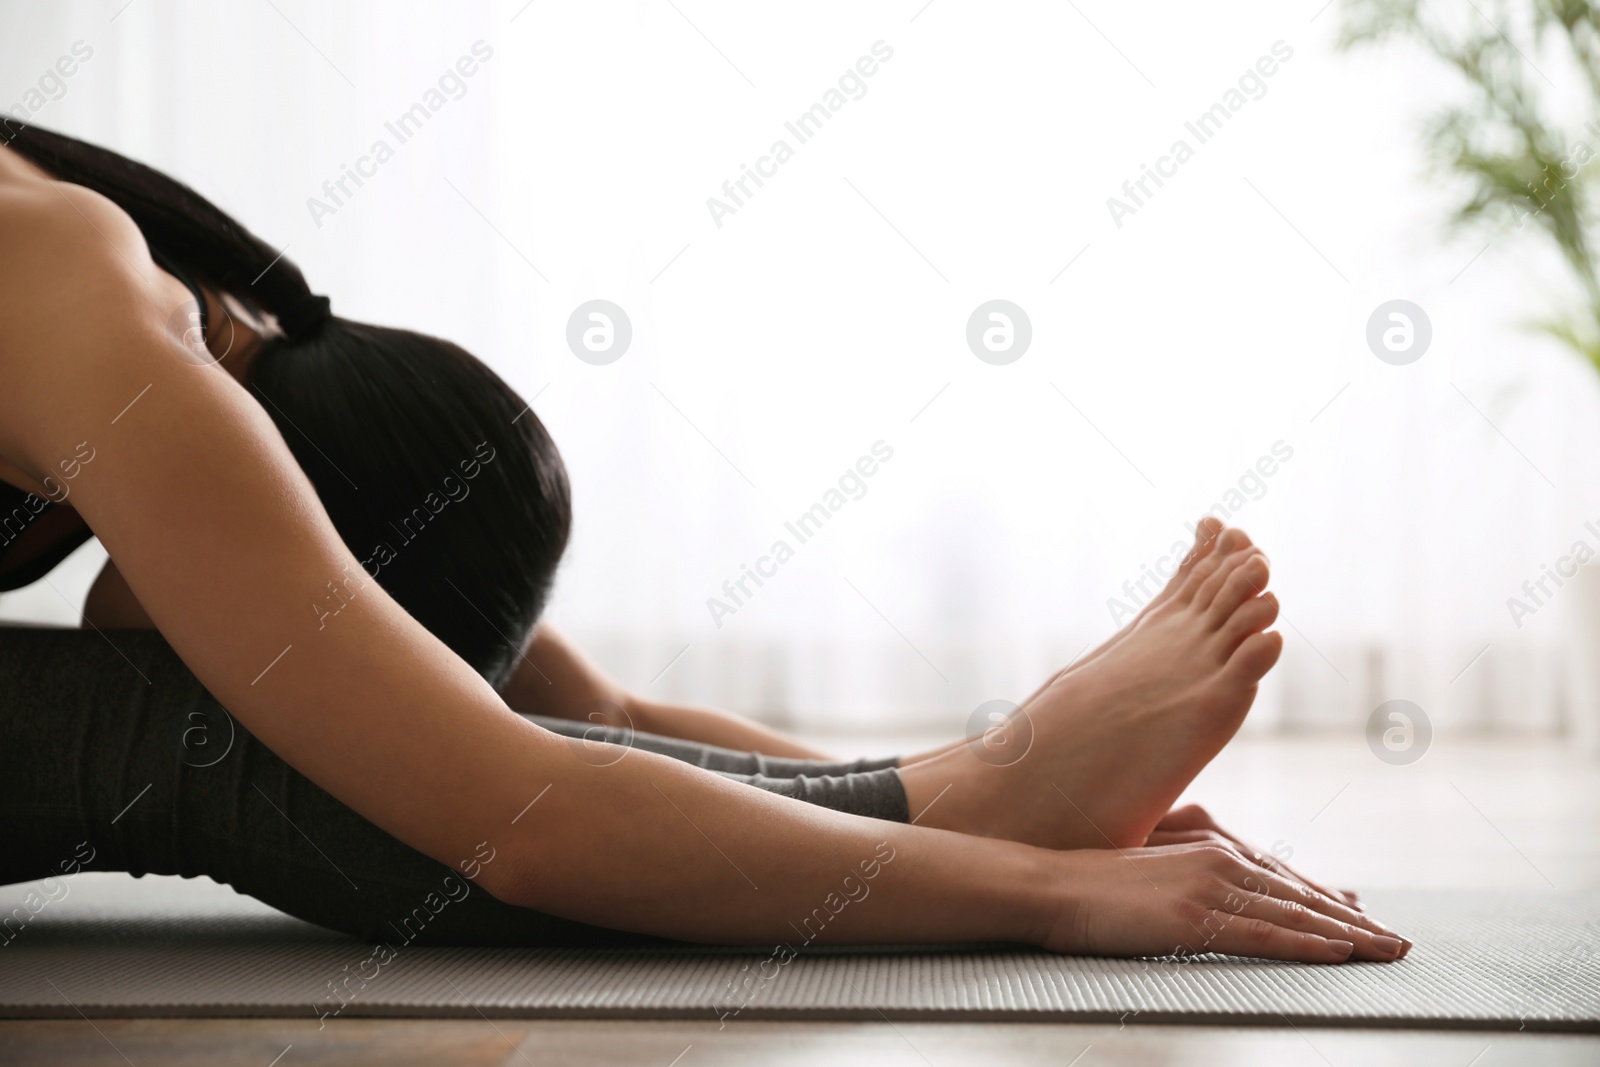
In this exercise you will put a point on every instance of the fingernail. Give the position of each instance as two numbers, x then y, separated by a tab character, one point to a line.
1342	948
1389	946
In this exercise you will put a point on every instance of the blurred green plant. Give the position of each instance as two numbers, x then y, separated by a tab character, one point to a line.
1521	166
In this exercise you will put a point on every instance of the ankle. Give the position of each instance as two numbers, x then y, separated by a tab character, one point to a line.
936	796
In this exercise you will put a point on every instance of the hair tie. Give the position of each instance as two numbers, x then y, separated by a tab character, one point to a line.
303	319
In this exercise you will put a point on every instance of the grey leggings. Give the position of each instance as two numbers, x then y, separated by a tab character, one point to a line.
111	748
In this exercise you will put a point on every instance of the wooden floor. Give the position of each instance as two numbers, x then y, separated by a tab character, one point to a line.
1482	815
256	1042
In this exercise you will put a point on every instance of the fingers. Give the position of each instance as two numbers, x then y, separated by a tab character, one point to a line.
1205	898
1291	915
1249	936
1159	837
1192	823
1343	896
1372	938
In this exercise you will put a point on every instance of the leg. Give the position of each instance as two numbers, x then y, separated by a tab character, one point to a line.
116	759
860	787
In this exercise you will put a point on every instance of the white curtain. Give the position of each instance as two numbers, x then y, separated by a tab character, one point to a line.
781	337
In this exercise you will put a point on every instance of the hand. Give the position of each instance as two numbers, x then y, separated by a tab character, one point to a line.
1187	899
1192	824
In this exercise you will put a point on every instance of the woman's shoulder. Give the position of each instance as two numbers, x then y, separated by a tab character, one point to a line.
76	275
71	261
53	227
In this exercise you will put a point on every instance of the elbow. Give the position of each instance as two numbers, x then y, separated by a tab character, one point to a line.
510	877
502	878
550	876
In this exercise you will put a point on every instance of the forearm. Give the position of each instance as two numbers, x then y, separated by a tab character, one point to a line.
655	846
710	727
555	680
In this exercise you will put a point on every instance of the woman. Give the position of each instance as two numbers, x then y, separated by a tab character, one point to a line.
344	536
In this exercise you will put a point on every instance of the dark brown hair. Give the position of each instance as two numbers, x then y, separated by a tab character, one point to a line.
434	471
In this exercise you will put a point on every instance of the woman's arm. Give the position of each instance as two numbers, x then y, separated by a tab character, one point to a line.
554	679
221	538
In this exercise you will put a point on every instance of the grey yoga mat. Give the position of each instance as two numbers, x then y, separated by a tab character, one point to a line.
112	945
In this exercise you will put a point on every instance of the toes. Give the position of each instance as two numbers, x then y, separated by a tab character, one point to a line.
1222	548
1255	656
1206	534
1209	588
1231	540
1245	580
1253	616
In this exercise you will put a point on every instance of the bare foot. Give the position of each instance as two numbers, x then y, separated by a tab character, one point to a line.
1209	535
1114	741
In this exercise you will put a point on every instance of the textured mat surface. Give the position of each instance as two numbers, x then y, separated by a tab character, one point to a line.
109	945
